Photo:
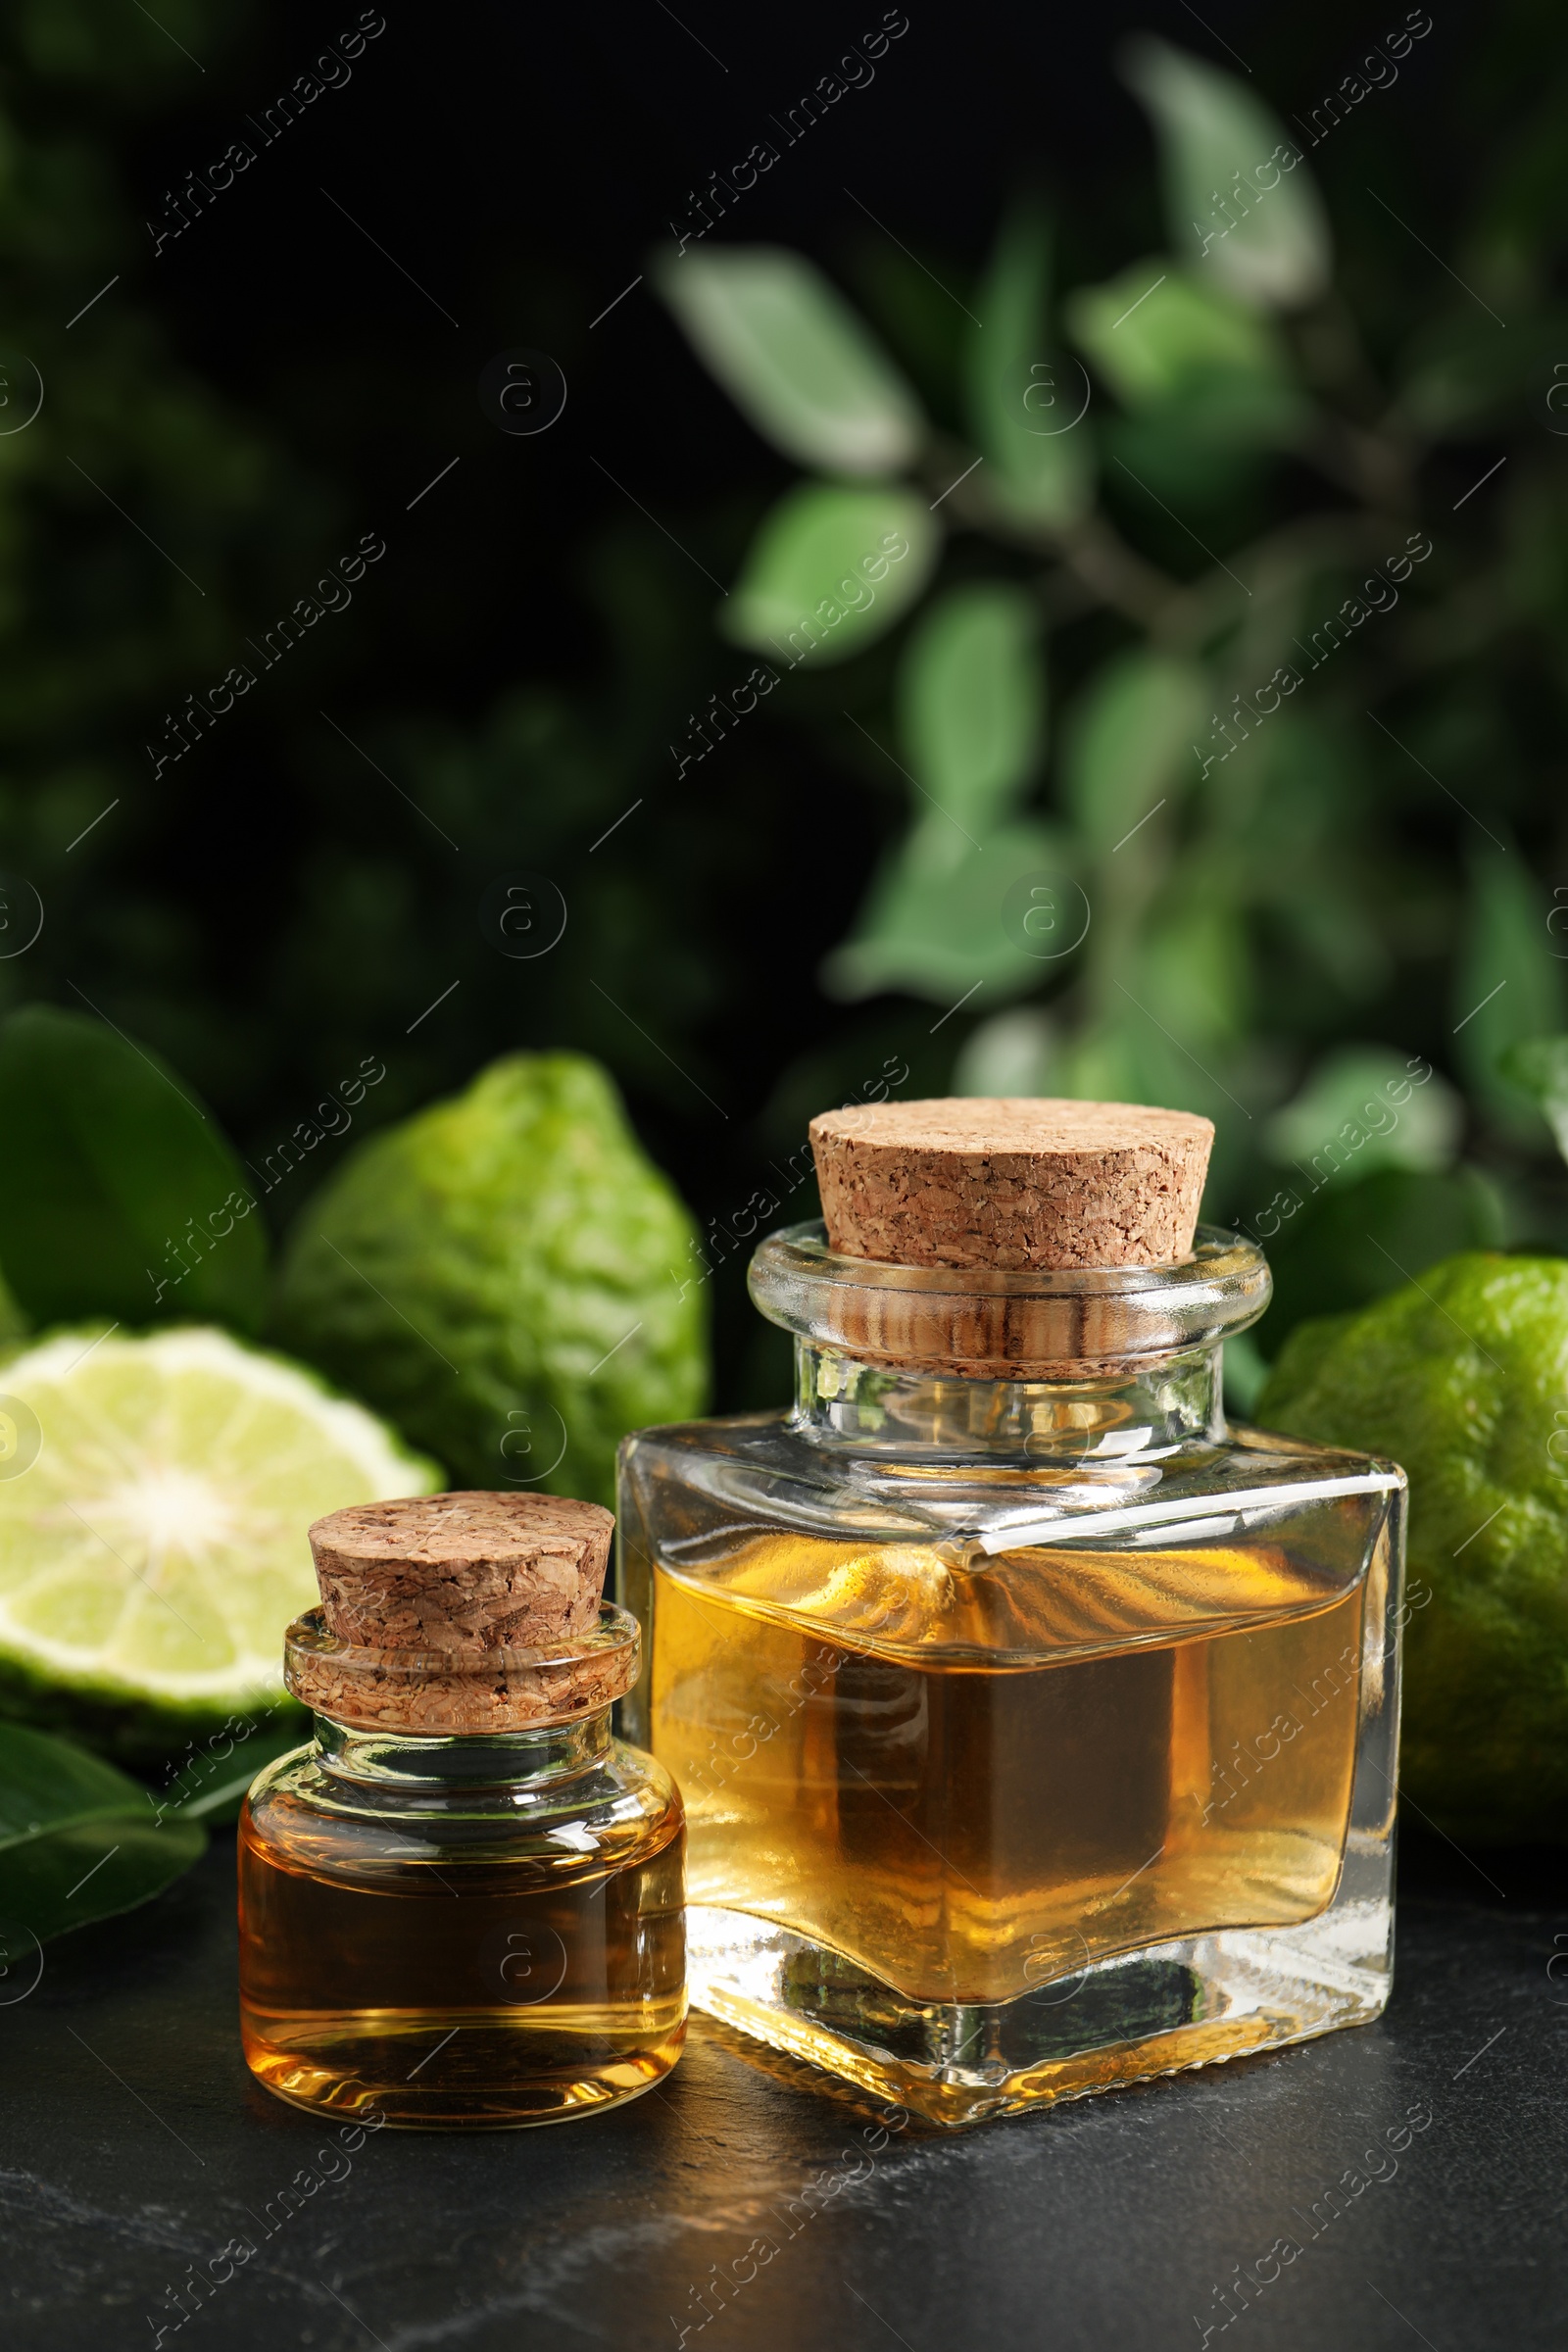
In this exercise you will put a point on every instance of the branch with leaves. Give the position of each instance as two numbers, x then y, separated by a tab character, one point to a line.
1255	760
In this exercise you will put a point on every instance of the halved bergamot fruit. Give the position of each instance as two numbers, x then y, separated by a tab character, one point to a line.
154	1496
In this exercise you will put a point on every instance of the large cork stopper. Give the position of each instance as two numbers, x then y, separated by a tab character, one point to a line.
976	1181
434	1609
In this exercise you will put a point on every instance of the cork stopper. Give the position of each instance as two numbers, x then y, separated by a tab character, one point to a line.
1013	1183
459	1612
461	1572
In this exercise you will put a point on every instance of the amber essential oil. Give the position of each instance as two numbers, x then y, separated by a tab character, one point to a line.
409	1958
1145	1836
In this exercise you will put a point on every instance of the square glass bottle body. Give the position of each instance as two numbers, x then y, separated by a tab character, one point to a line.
1035	1735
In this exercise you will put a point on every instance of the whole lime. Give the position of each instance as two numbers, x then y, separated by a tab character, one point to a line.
1463	1378
508	1278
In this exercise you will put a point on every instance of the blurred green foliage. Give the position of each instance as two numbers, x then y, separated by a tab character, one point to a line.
1066	524
1297	632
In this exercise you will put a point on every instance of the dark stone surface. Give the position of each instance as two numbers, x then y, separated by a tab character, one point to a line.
135	2145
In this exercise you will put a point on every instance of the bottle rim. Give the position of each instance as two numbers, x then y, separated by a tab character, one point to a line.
442	1691
1000	1323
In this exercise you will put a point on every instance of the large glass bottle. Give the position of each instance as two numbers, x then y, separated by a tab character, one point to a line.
1037	1734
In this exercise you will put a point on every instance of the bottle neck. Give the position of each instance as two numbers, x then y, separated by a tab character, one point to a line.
1171	1400
482	1759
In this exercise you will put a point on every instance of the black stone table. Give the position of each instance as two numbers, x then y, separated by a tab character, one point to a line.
133	2145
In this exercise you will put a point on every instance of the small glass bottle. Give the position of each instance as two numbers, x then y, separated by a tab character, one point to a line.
1036	1730
461	1905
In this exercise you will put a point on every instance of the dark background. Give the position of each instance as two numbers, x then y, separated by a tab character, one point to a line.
272	385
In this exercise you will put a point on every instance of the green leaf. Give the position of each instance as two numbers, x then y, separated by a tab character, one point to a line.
1538	1067
1367	1107
798	361
1245	1374
830	571
934	922
1129	742
1317	884
1126	1056
1157	336
1458	384
108	1165
972	701
1018	392
1235	199
78	1840
1508	987
1350	1243
208	1784
1192	958
1014	1052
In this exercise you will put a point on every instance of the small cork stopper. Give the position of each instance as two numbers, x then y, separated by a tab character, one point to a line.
474	1578
1013	1183
463	1572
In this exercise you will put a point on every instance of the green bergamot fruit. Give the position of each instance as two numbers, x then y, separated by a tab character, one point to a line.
508	1277
1463	1379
